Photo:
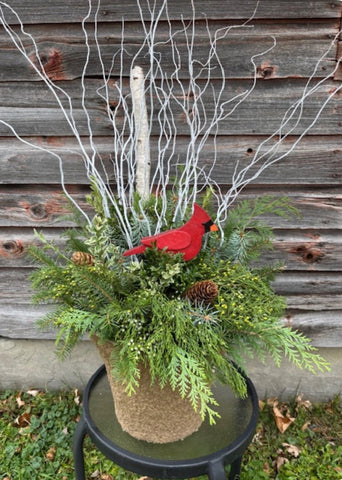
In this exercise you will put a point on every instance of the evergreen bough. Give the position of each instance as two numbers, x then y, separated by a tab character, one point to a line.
141	305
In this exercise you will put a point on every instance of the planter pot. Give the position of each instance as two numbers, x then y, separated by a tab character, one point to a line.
153	414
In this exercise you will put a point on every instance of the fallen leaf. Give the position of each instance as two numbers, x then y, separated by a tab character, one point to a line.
261	405
19	401
271	401
106	476
22	421
338	469
321	429
258	436
95	474
50	454
266	468
292	449
303	403
306	425
282	421
280	460
33	392
77	396
65	431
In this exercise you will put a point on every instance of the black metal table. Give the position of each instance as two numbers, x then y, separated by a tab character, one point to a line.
206	451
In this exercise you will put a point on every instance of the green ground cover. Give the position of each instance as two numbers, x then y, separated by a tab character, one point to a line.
294	441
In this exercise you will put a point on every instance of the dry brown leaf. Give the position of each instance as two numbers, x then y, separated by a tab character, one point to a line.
50	454
95	474
33	392
106	476
282	421
261	405
65	431
280	460
303	403
22	421
77	396
3	406
292	449
272	401
338	469
19	401
258	436
306	425
321	429
266	468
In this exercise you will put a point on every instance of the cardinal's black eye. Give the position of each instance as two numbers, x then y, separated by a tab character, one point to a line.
207	225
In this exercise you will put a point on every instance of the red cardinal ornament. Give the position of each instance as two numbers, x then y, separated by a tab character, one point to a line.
186	239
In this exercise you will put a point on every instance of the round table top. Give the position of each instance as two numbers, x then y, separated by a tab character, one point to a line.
233	431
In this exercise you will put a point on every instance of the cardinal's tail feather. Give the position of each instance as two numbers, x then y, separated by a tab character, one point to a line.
135	250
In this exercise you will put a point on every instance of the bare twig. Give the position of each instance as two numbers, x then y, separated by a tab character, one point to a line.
186	92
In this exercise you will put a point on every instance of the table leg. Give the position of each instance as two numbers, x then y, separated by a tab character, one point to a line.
235	469
78	439
217	471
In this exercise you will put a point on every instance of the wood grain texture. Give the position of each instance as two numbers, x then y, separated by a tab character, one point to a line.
30	194
27	207
310	251
299	250
304	297
338	73
24	206
54	12
323	327
305	165
63	53
260	114
295	285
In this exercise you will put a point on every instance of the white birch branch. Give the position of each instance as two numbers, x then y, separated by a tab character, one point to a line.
141	123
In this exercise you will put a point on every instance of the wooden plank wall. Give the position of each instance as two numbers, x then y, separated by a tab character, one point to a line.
30	194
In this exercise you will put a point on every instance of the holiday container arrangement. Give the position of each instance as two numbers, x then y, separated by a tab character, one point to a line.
163	274
181	310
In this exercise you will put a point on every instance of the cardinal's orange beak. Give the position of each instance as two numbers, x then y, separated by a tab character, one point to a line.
213	228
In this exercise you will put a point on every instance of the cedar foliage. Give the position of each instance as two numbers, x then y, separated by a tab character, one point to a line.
142	307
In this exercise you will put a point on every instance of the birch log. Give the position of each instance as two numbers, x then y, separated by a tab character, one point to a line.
142	148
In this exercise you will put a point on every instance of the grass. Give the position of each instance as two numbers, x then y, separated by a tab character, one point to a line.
36	430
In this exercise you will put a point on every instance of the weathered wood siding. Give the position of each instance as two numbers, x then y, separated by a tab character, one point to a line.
30	195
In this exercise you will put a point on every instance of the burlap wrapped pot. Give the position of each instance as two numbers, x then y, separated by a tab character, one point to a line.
153	414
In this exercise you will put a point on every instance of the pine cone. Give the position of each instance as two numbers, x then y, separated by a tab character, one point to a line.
82	258
203	292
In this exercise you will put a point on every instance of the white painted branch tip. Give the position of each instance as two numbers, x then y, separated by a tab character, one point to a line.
142	133
169	97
